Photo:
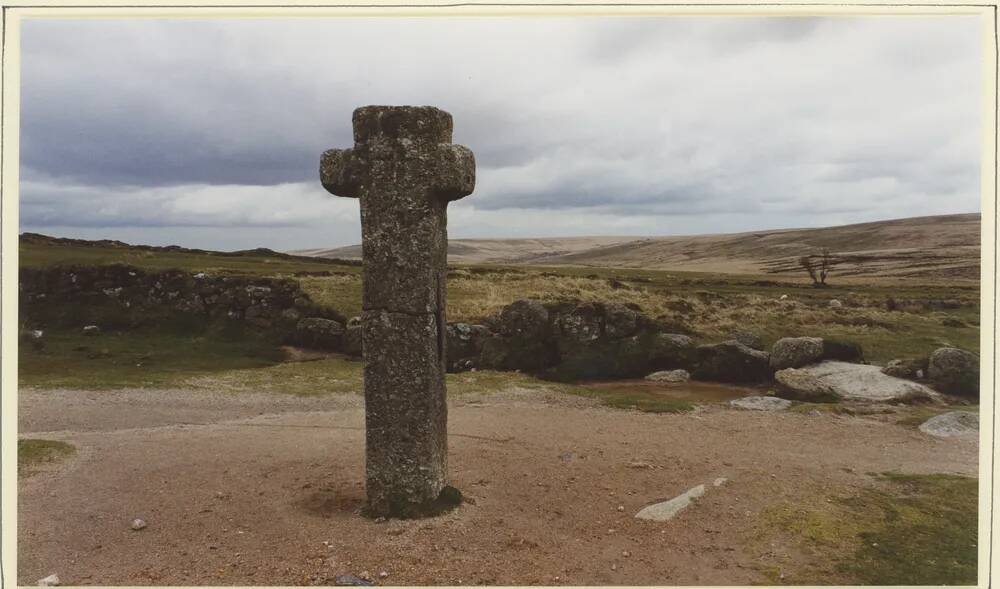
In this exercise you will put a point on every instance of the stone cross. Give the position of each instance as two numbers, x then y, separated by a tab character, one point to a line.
405	170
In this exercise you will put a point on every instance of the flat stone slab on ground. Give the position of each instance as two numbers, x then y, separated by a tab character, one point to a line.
758	403
850	382
951	424
661	512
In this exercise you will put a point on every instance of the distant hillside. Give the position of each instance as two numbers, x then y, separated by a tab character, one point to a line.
496	251
939	246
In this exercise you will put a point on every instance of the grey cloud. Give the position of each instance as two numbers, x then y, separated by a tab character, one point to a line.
765	120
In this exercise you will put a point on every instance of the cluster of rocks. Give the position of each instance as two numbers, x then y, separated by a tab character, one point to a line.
580	341
118	296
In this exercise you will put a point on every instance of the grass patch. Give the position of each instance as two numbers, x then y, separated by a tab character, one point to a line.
31	453
144	358
41	254
912	530
336	375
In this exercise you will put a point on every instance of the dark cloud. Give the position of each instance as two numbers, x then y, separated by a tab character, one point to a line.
616	123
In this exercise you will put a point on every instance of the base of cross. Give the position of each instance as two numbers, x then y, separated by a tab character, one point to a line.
400	508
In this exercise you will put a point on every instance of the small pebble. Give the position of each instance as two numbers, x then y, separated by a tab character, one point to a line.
383	574
621	508
138	524
50	581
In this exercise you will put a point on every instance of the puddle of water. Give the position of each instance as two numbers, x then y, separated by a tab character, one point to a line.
703	392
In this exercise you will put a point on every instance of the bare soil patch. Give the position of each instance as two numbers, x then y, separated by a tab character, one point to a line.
265	489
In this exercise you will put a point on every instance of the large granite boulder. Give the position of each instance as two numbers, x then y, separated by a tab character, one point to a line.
316	332
954	371
832	380
523	338
793	352
464	345
731	361
909	368
748	338
670	351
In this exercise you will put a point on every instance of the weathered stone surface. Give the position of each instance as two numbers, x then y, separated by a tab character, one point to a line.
405	170
731	361
755	403
679	375
316	332
672	350
834	381
524	318
910	368
464	345
793	352
952	424
661	512
954	371
748	338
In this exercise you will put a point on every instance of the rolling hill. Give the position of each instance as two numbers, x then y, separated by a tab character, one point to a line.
937	246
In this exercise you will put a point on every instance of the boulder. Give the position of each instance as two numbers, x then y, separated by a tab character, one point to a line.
793	352
911	368
951	424
671	350
619	358
748	338
731	361
581	325
757	403
316	332
954	371
673	376
352	337
465	344
524	318
524	339
620	321
831	380
843	350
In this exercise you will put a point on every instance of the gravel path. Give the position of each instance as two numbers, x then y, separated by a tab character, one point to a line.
264	489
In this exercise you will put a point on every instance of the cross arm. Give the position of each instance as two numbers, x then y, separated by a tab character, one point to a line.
456	171
341	172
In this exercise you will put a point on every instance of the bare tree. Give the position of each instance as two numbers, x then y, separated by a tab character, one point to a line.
817	272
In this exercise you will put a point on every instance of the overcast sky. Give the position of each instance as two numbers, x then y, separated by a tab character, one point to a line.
207	133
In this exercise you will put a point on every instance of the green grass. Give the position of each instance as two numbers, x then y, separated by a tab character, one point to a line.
910	530
709	306
136	359
48	254
31	453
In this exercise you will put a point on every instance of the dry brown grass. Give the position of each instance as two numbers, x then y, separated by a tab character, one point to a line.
710	315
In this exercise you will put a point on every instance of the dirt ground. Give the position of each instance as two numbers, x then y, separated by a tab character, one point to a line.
265	489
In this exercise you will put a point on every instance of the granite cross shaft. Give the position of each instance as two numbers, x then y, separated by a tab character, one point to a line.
405	170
